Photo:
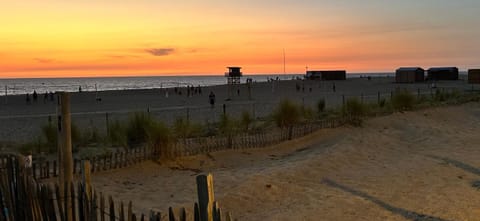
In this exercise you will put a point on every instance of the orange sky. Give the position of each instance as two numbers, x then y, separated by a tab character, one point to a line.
53	38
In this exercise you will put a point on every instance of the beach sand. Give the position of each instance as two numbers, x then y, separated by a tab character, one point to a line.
21	122
419	165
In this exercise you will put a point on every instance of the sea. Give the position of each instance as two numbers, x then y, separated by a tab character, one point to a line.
16	86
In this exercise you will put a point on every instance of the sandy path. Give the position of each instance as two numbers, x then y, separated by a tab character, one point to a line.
401	167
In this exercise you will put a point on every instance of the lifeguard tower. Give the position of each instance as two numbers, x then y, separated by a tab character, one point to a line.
233	75
233	78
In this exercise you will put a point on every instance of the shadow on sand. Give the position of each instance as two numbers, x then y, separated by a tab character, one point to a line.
458	164
410	215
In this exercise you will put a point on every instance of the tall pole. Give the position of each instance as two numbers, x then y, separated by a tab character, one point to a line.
64	144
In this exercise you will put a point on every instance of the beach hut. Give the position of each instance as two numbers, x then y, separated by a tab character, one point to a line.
474	76
409	75
443	73
326	75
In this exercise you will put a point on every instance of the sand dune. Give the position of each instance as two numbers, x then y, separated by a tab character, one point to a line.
409	166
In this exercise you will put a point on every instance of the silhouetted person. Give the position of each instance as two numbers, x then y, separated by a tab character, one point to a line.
199	89
238	92
45	97
79	89
27	99
211	98
35	96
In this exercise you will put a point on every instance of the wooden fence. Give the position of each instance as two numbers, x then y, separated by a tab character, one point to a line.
202	145
48	169
186	147
22	198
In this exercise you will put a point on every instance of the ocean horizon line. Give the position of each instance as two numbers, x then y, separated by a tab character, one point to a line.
184	75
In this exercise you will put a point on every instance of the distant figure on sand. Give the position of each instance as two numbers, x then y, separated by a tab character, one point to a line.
79	89
334	88
35	95
27	99
212	99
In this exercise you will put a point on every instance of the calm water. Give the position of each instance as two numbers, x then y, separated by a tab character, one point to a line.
41	85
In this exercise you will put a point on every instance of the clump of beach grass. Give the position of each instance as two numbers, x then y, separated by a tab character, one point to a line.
354	110
287	115
403	100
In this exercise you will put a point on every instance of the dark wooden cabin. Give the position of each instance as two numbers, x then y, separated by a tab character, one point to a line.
409	75
474	76
326	75
442	73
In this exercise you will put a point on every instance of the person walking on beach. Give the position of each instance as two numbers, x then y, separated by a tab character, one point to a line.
35	96
51	96
27	99
212	99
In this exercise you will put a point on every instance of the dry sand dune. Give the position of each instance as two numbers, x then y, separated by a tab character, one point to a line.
420	165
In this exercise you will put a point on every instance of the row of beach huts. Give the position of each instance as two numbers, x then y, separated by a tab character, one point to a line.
405	75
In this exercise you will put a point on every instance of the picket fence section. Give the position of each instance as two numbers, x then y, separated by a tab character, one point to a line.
185	147
23	198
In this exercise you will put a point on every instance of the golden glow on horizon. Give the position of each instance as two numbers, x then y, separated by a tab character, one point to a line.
58	38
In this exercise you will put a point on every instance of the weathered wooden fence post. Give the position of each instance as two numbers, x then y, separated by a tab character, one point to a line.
65	151
205	196
86	173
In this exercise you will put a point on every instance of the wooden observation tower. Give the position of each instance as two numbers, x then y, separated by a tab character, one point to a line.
233	79
233	75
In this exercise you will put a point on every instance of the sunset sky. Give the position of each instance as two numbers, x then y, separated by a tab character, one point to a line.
58	38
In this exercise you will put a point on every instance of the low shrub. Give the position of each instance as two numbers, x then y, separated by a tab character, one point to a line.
183	128
307	113
116	134
159	136
246	120
137	128
355	110
287	114
227	125
403	100
321	106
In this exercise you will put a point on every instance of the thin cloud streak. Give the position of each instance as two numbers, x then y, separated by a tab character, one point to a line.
44	60
160	51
